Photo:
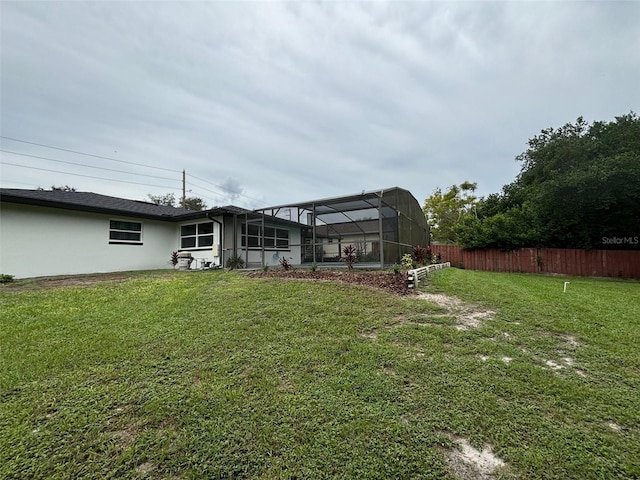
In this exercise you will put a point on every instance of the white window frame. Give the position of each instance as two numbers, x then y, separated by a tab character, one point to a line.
198	236
120	229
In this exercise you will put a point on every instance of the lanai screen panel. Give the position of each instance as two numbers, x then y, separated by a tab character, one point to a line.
412	224
385	221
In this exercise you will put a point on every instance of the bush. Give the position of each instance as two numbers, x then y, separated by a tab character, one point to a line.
5	278
235	262
422	255
285	264
407	261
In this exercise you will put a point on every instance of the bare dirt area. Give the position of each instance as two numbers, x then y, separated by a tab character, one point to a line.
389	281
468	316
43	283
468	463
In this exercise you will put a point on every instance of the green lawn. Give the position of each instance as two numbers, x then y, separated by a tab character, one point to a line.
217	375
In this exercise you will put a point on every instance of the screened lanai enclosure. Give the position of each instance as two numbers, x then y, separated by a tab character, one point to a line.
382	225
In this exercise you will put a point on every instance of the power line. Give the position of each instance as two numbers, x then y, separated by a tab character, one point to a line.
84	165
220	187
87	176
89	154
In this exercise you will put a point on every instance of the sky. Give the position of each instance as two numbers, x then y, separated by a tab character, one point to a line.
270	103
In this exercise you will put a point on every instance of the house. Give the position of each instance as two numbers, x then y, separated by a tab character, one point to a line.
45	233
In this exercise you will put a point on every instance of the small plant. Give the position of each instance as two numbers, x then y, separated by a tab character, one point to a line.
422	255
235	262
174	258
285	263
397	269
265	268
5	278
407	261
314	266
350	256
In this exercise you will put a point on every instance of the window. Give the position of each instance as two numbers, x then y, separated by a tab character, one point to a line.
126	233
196	235
274	238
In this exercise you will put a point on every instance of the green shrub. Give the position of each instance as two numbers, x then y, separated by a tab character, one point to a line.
5	278
235	262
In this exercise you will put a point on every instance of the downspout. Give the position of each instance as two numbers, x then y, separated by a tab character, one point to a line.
221	246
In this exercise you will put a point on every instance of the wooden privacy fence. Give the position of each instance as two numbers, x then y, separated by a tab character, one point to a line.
580	263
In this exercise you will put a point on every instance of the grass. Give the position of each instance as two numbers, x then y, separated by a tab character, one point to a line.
216	375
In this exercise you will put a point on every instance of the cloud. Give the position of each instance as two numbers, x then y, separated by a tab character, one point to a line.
290	101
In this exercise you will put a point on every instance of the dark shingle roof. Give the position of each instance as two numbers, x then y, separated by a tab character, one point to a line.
96	203
91	202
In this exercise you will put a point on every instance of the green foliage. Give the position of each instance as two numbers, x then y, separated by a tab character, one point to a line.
577	185
169	200
6	278
445	210
314	267
61	188
407	261
235	262
193	203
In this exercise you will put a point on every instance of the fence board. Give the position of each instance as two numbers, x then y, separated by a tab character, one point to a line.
583	263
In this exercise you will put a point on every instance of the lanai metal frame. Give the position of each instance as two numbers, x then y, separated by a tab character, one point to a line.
401	224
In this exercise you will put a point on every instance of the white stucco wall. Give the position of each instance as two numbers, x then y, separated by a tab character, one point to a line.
40	241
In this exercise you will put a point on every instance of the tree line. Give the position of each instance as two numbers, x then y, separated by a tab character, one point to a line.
578	187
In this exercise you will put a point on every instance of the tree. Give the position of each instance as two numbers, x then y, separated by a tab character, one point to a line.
169	200
62	188
193	203
577	185
445	210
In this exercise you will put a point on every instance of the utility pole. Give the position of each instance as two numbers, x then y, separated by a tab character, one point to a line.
184	188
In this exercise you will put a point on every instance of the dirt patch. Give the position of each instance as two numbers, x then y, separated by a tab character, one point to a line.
125	437
44	283
145	468
389	281
468	463
467	315
614	426
565	362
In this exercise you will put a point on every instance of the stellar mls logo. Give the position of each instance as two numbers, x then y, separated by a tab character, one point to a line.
621	240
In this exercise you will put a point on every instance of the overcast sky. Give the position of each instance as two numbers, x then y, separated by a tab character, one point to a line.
268	103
